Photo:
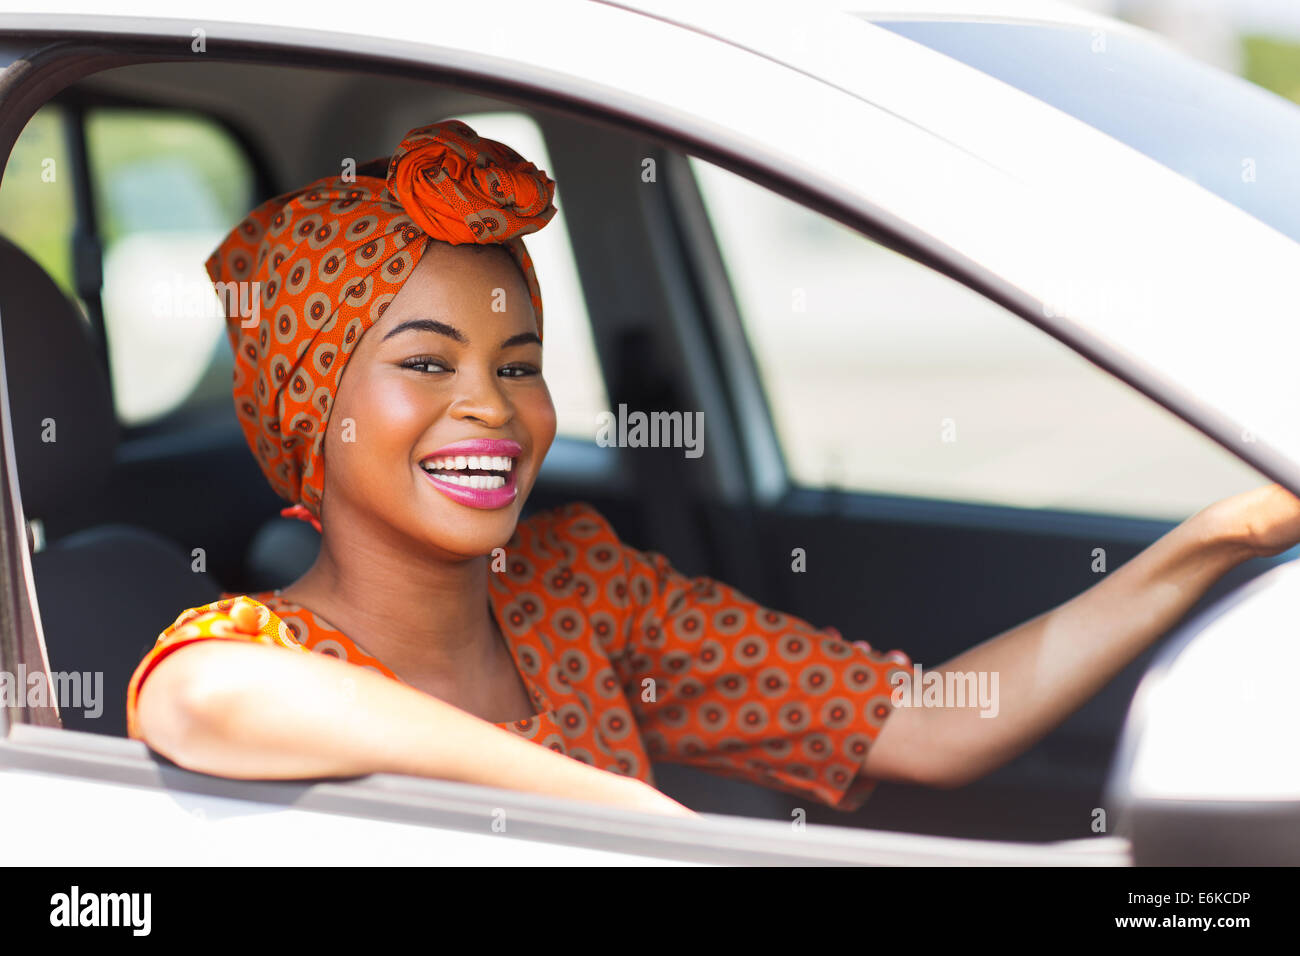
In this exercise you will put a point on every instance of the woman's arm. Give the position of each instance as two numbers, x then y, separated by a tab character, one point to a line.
236	709
1048	666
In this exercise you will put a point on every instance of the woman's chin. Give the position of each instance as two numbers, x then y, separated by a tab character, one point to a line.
468	532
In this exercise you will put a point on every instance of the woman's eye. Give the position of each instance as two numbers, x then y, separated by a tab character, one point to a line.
519	371
424	364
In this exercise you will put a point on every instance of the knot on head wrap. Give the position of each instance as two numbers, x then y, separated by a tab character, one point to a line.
305	274
461	188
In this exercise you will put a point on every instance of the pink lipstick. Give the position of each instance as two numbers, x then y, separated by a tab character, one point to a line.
478	473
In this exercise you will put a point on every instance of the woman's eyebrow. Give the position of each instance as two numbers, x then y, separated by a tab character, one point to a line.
523	338
442	328
427	325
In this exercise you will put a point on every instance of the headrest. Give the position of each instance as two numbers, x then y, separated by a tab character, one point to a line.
60	401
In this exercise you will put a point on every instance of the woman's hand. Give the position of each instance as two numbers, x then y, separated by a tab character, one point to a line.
1051	664
1261	522
241	618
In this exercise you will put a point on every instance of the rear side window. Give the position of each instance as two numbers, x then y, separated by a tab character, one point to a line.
167	187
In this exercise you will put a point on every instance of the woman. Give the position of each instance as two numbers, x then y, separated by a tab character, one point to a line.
439	635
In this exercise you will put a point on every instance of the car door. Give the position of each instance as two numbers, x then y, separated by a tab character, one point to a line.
670	102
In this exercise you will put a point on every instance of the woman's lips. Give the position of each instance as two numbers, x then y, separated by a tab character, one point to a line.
455	468
477	497
479	446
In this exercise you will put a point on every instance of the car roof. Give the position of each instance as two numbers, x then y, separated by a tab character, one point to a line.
289	12
1047	12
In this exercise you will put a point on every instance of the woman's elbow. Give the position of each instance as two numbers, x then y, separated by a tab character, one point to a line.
907	750
183	704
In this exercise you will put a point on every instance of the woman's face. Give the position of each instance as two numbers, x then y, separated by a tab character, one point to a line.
455	358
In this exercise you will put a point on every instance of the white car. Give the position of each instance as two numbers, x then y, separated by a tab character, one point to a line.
1017	222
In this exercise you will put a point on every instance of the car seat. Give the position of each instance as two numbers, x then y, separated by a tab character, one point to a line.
104	592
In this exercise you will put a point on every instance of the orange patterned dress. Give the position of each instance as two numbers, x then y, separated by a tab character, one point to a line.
627	661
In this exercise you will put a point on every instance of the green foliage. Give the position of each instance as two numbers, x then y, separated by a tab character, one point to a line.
1273	64
35	212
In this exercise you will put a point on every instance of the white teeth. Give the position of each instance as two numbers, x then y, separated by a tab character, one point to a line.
481	482
473	462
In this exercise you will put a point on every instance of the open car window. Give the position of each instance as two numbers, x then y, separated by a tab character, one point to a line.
166	186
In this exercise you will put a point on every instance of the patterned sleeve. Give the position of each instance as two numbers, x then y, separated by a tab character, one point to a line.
719	682
209	622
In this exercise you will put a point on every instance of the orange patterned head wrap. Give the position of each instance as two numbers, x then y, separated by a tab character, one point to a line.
305	274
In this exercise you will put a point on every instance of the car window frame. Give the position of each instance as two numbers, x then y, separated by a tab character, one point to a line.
52	69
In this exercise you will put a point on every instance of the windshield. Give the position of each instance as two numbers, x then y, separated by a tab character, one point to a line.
1233	138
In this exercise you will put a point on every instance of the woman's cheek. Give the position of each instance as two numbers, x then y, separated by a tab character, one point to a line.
391	411
539	409
547	418
380	420
540	419
397	413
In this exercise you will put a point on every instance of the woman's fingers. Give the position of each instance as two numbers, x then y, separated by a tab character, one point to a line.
242	617
245	616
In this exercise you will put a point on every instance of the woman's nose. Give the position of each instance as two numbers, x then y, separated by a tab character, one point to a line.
482	400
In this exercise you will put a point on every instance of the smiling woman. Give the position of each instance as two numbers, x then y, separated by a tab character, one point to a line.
397	336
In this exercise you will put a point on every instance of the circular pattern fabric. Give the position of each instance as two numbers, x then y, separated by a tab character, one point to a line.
672	672
304	275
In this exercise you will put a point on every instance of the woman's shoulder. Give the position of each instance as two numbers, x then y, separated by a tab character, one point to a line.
271	599
305	626
302	627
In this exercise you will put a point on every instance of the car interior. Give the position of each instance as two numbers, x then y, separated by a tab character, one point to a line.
143	506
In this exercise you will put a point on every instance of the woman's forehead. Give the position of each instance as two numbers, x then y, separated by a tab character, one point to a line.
464	286
464	270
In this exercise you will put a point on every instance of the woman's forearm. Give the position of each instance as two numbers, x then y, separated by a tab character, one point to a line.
1047	667
253	712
